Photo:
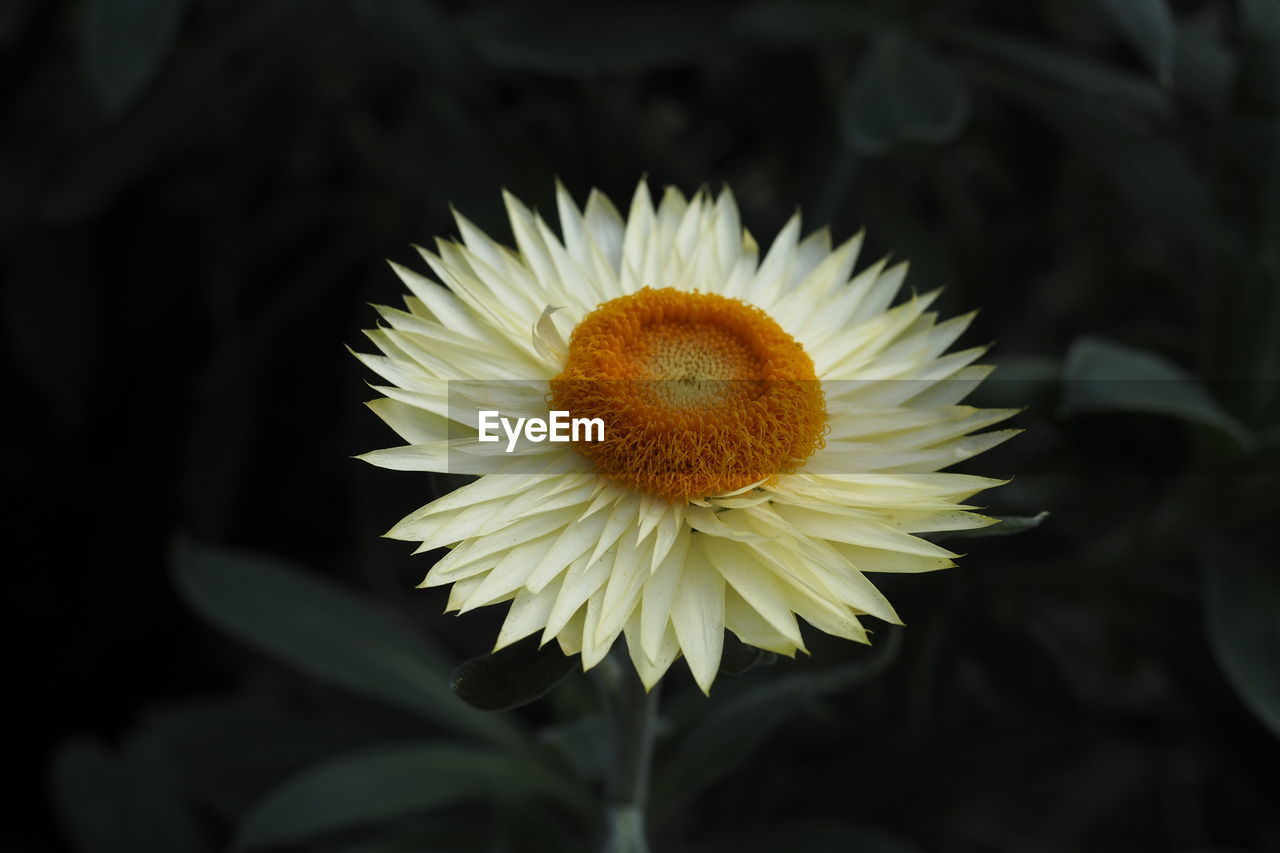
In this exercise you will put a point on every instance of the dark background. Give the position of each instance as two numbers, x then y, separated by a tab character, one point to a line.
195	200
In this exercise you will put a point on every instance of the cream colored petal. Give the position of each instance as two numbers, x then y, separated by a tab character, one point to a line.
659	595
572	543
668	528
410	423
821	614
584	577
570	636
606	232
853	588
773	277
535	253
651	668
741	569
639	248
548	341
698	617
952	389
509	573
433	398
622	516
822	276
751	628
508	535
595	645
880	560
825	525
622	591
528	614
443	305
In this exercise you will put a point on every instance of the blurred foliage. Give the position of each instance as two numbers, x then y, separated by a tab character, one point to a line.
196	199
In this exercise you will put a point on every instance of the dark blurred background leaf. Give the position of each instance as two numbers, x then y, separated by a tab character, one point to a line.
1150	26
517	675
125	42
1100	376
1242	607
373	786
901	91
326	633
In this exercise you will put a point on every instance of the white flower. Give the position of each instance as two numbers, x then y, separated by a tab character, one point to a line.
774	429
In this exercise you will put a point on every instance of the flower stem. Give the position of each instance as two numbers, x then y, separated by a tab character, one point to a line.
634	714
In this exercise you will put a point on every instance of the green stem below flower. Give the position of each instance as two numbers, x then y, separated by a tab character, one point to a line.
634	714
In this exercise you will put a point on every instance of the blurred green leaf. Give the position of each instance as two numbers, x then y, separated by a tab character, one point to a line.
1203	68
1261	16
585	743
124	42
1076	72
377	785
901	91
126	150
206	739
726	734
1101	376
326	632
1242	615
589	38
790	22
83	778
820	835
123	802
517	675
415	31
1150	27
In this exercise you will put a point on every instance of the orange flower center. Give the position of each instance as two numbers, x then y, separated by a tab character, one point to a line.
700	394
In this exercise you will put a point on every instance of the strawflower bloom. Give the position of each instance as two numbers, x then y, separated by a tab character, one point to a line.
773	429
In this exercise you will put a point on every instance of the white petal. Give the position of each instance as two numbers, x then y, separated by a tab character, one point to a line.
528	615
755	584
698	617
651	668
659	595
547	339
751	628
858	532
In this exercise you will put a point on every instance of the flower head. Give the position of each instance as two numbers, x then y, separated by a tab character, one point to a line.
772	429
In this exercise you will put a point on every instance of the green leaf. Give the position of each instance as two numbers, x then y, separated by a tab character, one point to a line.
415	32
821	835
373	786
585	744
1075	72
589	38
326	632
517	675
901	91
82	773
122	802
124	43
1242	615
1101	376
1010	525
1150	28
783	22
728	733
205	739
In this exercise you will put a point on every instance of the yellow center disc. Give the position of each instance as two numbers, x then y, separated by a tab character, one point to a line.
700	394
